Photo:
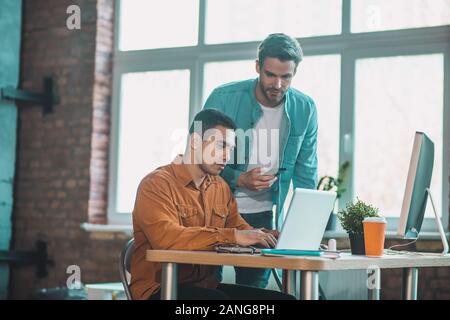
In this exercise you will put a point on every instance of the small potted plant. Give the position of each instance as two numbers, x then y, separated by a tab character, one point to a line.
351	219
327	183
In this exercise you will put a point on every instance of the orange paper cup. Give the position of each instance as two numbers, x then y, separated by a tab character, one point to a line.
374	235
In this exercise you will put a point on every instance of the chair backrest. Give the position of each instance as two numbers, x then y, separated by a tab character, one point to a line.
125	267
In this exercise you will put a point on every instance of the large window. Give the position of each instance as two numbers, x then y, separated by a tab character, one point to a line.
376	69
148	24
396	96
152	122
377	15
249	20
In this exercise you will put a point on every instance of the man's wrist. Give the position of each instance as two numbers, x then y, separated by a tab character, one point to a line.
238	181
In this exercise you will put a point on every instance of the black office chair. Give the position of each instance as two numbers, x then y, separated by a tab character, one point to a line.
125	267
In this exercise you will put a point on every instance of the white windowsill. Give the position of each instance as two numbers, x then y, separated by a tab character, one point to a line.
108	228
128	230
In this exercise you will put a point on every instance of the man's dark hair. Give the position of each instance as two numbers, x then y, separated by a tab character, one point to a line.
211	118
280	46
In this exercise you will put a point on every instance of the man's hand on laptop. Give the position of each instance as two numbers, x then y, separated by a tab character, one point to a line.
254	180
275	233
255	237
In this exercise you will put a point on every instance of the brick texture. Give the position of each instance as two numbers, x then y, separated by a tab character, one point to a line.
101	112
61	170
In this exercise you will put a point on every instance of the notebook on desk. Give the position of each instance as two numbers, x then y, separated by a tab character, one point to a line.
237	249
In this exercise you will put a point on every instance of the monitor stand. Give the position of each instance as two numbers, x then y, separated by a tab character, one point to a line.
439	225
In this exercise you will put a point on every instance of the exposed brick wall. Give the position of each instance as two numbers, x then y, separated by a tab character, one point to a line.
61	157
101	112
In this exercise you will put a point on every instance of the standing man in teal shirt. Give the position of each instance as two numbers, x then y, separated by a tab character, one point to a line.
278	139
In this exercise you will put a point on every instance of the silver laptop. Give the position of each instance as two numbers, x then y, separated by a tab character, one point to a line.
304	225
306	219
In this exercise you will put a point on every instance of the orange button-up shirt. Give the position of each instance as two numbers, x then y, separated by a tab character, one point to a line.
171	213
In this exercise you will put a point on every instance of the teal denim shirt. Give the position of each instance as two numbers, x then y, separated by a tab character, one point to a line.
298	137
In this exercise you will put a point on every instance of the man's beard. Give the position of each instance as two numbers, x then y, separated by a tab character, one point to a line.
277	99
208	169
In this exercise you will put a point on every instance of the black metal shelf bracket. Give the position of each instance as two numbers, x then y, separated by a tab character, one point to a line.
39	258
46	99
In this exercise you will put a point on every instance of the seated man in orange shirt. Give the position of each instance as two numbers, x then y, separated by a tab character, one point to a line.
186	206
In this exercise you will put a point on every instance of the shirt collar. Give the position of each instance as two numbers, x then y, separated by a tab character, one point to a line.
183	175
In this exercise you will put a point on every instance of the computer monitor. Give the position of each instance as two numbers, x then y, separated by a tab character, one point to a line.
417	191
417	183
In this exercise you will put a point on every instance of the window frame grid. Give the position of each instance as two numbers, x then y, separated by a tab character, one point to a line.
350	46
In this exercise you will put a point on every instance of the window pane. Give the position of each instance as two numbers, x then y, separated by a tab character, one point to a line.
218	73
318	77
376	15
251	20
395	97
150	24
149	133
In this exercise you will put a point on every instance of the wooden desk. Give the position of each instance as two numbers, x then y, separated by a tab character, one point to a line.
309	268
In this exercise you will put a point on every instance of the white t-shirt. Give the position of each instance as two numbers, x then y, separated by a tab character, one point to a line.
264	153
